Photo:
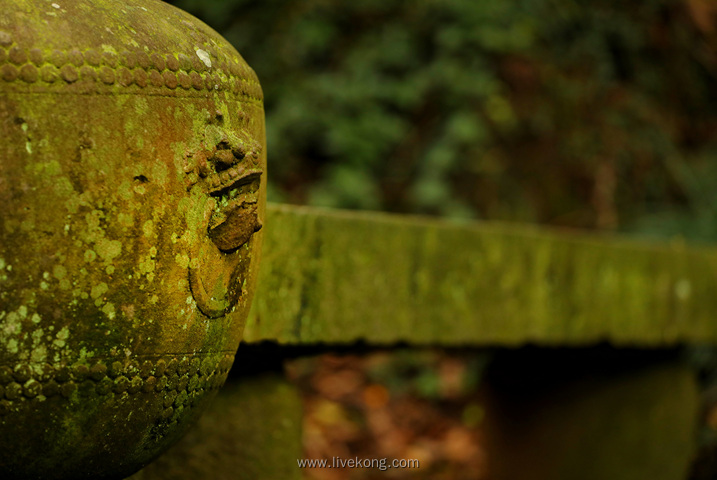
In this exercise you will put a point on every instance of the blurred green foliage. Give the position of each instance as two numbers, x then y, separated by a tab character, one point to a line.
597	114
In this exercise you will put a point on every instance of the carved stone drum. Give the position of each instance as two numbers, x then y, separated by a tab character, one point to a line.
132	194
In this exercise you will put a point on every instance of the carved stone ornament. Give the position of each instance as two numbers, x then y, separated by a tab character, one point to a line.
132	194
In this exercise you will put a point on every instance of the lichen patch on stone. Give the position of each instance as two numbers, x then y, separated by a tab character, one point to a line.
204	57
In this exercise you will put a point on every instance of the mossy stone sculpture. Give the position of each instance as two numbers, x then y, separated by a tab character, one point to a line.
131	200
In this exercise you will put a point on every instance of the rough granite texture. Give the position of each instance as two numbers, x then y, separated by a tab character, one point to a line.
132	187
341	277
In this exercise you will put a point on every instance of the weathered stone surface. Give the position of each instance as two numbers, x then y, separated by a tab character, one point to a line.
340	277
251	431
131	188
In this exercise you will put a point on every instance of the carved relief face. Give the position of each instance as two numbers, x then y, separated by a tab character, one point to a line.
228	172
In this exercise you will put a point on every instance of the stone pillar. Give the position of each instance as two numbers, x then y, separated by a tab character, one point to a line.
611	419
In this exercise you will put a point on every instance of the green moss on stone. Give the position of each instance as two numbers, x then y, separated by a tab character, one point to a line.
340	277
